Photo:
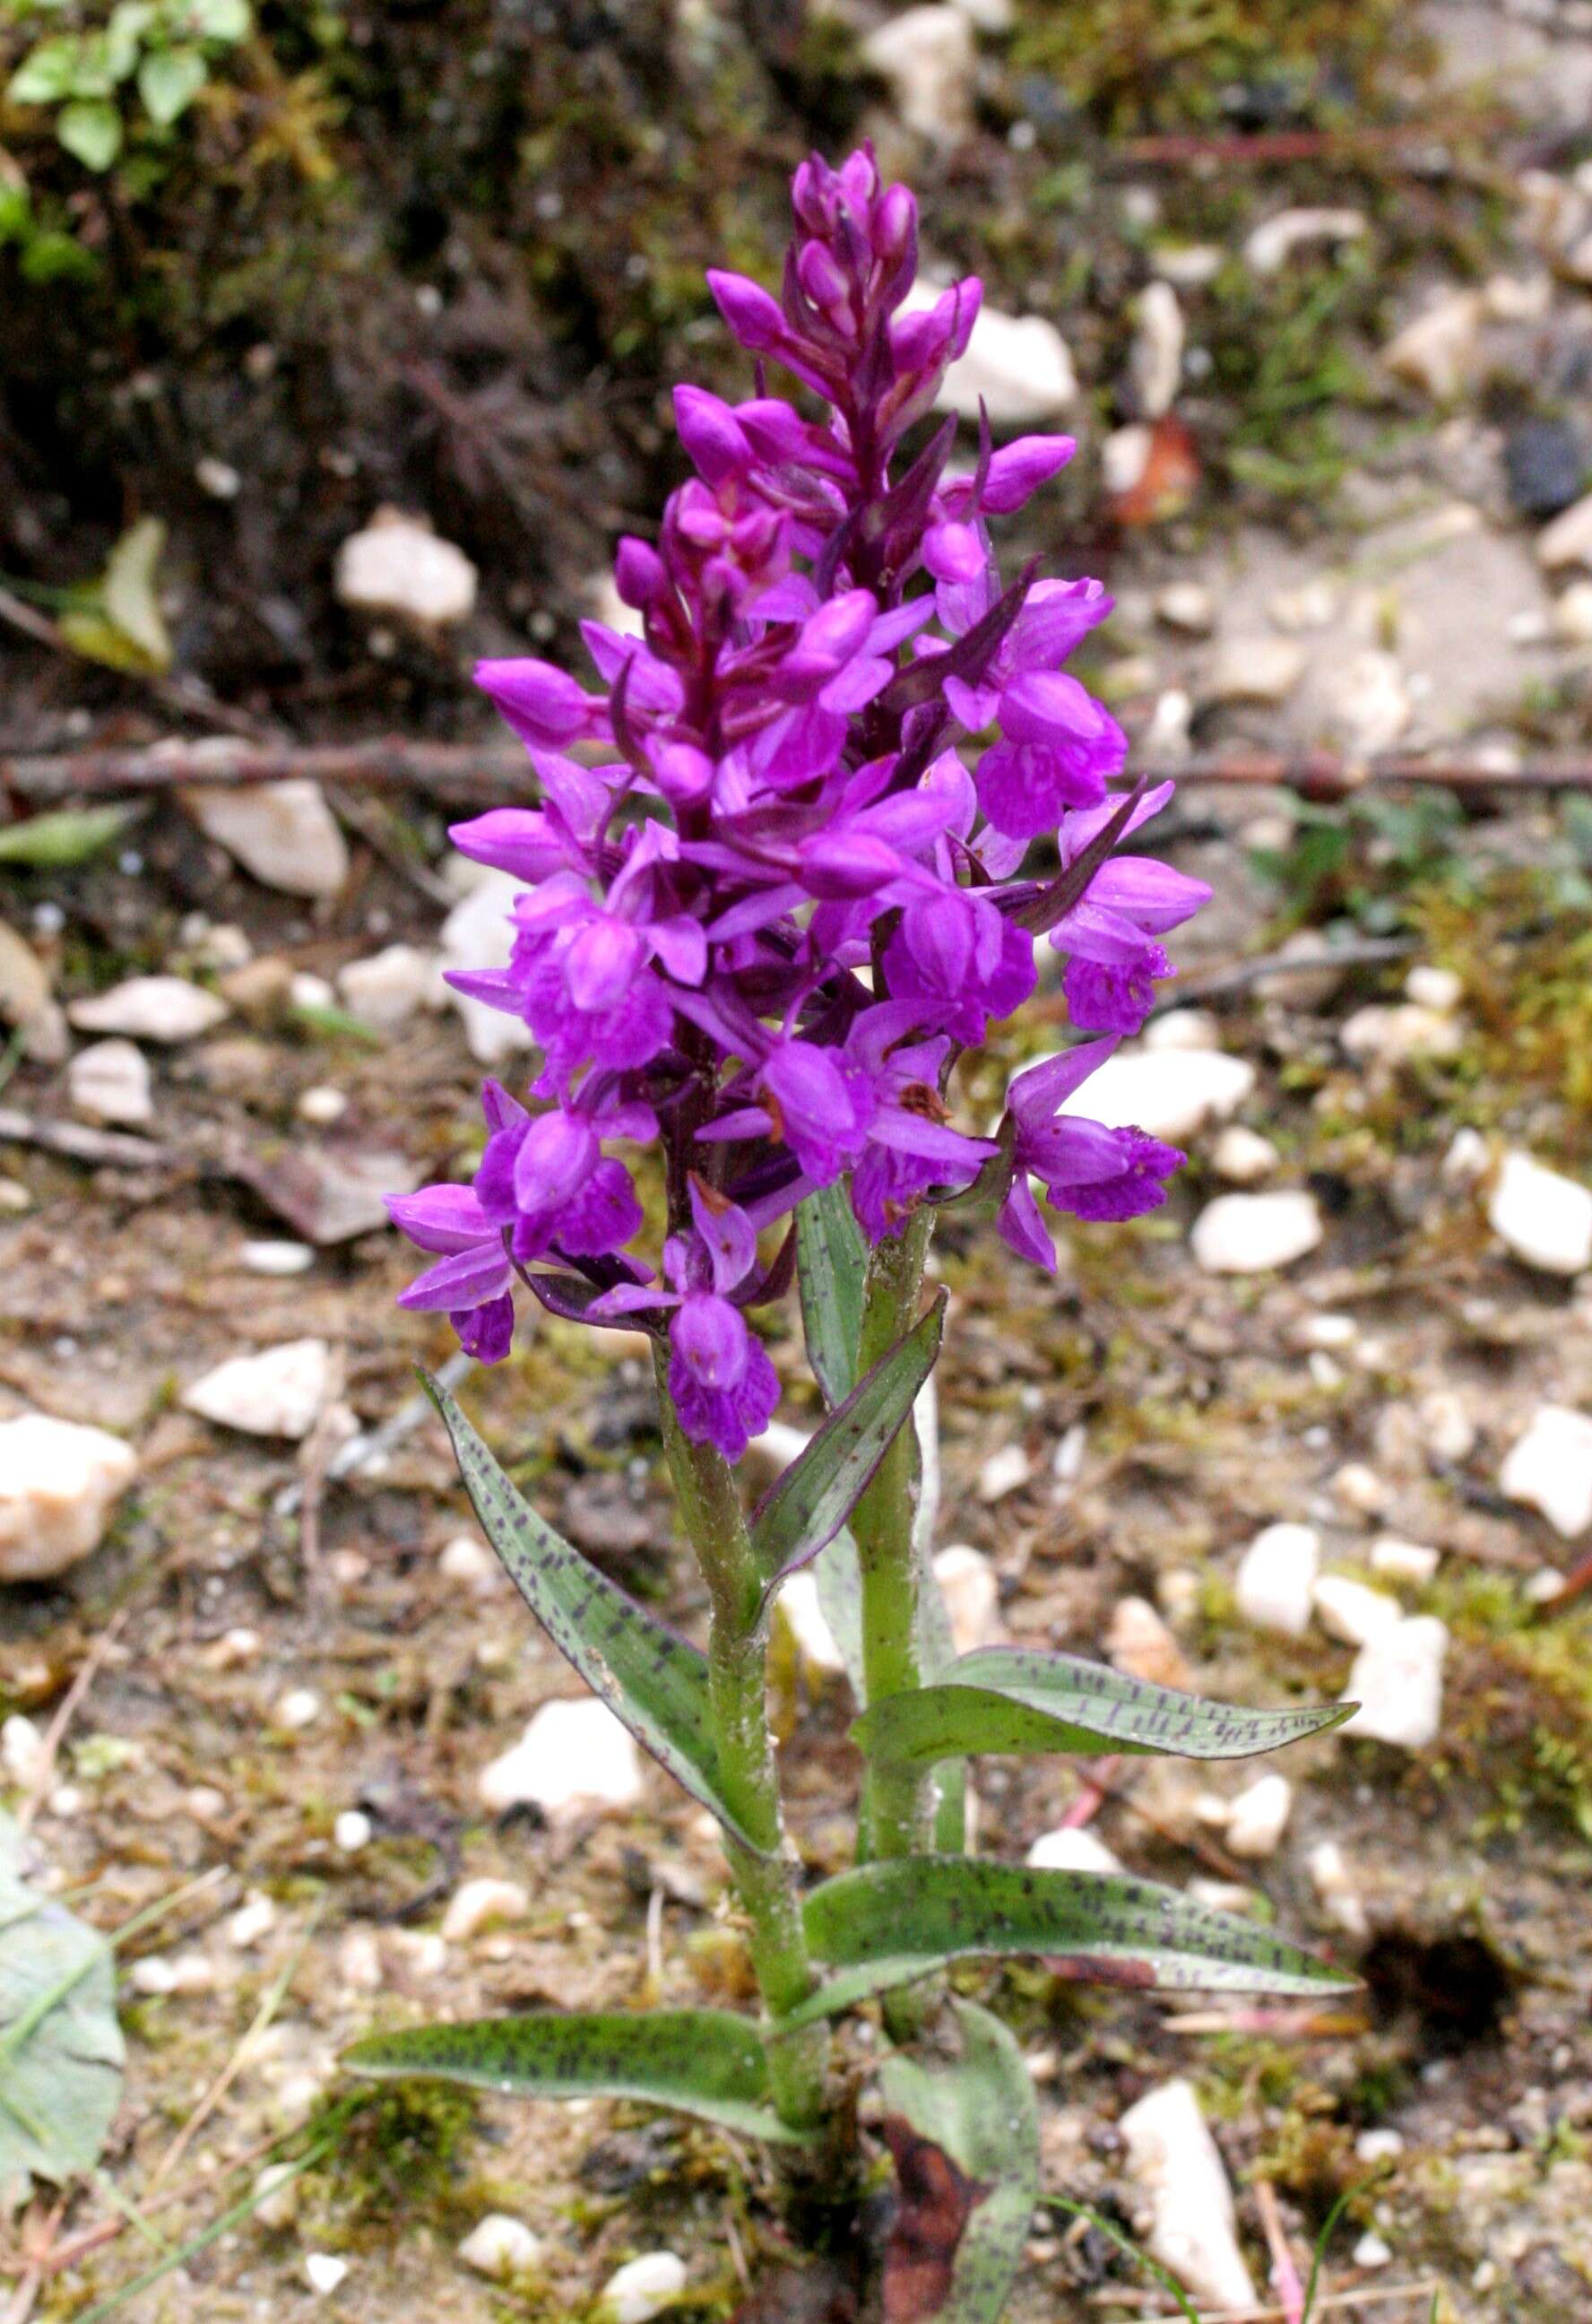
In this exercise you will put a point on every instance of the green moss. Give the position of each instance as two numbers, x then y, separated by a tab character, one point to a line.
399	2157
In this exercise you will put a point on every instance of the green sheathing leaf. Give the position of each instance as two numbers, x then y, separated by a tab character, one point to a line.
979	2110
913	1913
1011	1699
61	2046
702	2062
832	1262
655	1681
817	1493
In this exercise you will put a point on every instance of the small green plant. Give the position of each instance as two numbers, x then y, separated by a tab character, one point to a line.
86	66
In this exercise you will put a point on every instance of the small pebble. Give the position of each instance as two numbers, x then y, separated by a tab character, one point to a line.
1334	1886
282	1258
500	2246
1544	1218
1243	1156
481	1904
109	1082
1258	1817
1359	1488
1276	1578
1249	1234
815	1641
643	2288
1176	2161
1140	1645
1072	1849
1434	988
467	1560
1447	1428
1371	2251
276	2190
278	1392
1378	2145
322	1106
1549	1469
352	1831
1003	1472
21	1747
1352	1610
254	1918
323	2271
1404	1561
1187	606
1259	670
573	1757
972	1594
300	1707
1397	1682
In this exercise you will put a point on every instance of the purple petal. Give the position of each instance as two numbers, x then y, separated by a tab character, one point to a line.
439	1218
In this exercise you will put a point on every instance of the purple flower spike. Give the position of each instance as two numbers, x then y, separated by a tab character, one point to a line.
759	932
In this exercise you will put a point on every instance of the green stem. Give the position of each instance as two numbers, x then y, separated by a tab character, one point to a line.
900	1801
765	1882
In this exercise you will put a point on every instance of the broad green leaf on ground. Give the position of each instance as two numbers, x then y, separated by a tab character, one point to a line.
61	2046
654	1681
1009	1699
118	619
168	80
964	2135
831	1261
90	128
911	1913
817	1493
703	2062
65	836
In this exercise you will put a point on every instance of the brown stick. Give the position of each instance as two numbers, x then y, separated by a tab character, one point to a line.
492	771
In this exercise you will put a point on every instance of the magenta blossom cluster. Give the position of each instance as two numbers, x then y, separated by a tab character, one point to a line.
776	882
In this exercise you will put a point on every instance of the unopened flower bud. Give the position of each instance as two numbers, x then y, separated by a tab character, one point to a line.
639	574
711	434
821	278
752	315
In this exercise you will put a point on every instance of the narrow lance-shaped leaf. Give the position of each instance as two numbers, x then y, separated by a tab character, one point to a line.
964	2136
817	1493
702	2062
655	1681
831	1261
1007	1698
891	1920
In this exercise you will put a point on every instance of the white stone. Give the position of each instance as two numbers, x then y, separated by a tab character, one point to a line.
279	1392
154	1975
1258	1817
1183	1029
1434	988
499	2246
1352	1610
387	989
1397	1680
1243	1156
1372	2250
322	1105
1334	1885
254	1918
277	2191
1125	455
815	1641
1003	1472
643	2288
1167	1093
397	566
1254	669
1518	298
22	1748
1370	705
1544	1218
323	2271
308	990
1572	614
1189	265
166	1008
478	933
926	54
1311	604
1568	540
987	15
1379	2145
1549	1469
572	1756
1355	1485
1268	246
1394	1033
1467	1160
1166	737
298	1708
1155	363
1404	1561
277	1258
1246	1234
283	834
481	1904
465	1558
1187	606
1276	1577
1072	1849
1437	352
1446	1426
59	1482
1019	363
972	1594
353	1832
1176	2161
217	477
109	1082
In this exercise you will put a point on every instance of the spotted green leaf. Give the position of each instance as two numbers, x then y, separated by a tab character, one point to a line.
976	2111
1009	1699
654	1681
902	1918
702	2062
817	1493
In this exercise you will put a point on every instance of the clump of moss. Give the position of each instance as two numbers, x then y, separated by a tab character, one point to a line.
1520	1694
398	2154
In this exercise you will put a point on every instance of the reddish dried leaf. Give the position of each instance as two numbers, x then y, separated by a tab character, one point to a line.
936	2200
1166	483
